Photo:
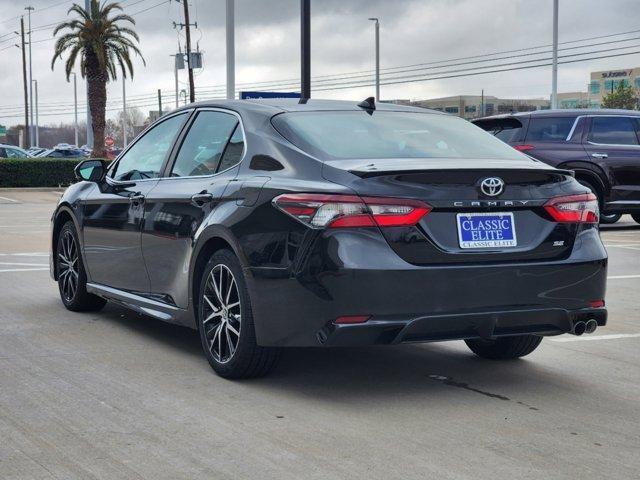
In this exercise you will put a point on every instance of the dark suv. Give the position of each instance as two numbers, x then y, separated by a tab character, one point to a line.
602	147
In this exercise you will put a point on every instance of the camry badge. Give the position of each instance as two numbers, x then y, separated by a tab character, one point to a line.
492	186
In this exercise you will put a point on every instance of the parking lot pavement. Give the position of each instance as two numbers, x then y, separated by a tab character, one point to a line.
116	395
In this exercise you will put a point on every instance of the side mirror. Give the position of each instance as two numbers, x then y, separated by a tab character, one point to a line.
91	171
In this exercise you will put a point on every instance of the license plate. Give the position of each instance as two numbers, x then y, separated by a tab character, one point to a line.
486	230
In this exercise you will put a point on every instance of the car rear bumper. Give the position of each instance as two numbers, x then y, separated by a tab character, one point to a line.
358	274
433	328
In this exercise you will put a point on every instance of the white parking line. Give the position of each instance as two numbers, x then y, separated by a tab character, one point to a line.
24	264
6	270
9	200
592	338
621	277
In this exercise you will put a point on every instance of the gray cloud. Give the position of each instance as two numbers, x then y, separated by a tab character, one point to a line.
413	31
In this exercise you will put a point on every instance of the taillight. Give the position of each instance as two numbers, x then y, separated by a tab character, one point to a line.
574	208
523	148
344	211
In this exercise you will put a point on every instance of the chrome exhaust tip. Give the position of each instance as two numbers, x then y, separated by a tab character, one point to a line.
591	326
579	328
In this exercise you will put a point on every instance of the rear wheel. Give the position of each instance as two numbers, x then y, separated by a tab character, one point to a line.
504	348
225	321
72	277
636	217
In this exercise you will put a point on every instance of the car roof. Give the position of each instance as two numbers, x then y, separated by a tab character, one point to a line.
563	113
281	105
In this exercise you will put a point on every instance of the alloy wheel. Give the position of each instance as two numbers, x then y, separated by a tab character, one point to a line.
221	319
68	266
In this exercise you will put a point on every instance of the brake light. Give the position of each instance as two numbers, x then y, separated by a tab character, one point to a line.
344	211
574	208
524	148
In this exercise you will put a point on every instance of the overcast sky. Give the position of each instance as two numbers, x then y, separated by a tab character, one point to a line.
267	46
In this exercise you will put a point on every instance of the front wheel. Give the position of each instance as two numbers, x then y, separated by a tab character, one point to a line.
226	324
504	348
72	277
636	217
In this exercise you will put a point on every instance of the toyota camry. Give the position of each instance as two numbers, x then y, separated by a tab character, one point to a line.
270	224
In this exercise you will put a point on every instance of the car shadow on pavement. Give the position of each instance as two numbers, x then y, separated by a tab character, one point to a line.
355	374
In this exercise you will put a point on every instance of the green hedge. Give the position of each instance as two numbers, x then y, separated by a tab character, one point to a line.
37	172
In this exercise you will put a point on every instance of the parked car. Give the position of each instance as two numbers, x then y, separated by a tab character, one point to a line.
268	224
602	147
34	151
62	153
10	151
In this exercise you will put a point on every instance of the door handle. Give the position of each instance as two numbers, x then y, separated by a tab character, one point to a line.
599	155
136	198
201	199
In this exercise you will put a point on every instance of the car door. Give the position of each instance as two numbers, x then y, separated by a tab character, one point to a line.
113	211
204	162
613	144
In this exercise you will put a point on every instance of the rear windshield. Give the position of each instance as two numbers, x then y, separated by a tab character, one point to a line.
355	135
507	129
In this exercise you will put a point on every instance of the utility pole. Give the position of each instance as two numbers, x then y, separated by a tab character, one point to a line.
482	104
37	126
231	51
305	49
87	7
124	111
187	26
377	26
554	68
160	102
75	107
27	143
31	134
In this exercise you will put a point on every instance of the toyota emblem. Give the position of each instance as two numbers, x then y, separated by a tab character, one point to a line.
492	186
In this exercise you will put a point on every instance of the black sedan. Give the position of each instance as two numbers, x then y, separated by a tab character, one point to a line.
267	224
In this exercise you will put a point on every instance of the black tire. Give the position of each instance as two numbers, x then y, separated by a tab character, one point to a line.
636	217
72	277
504	348
610	218
217	313
605	218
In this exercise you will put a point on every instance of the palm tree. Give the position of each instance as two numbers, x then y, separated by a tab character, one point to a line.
97	38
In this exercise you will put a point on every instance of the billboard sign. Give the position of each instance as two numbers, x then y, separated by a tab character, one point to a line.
248	95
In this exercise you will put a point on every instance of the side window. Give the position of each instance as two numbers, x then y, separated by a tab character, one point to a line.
11	153
204	144
549	129
613	131
235	148
145	158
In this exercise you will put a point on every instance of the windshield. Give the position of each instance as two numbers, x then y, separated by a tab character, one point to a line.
354	135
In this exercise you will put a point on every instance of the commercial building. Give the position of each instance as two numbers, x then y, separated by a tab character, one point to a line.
474	106
600	85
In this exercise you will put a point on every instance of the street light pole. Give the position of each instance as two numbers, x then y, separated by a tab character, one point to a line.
37	126
175	73
554	68
75	108
377	26
31	133
231	51
124	112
